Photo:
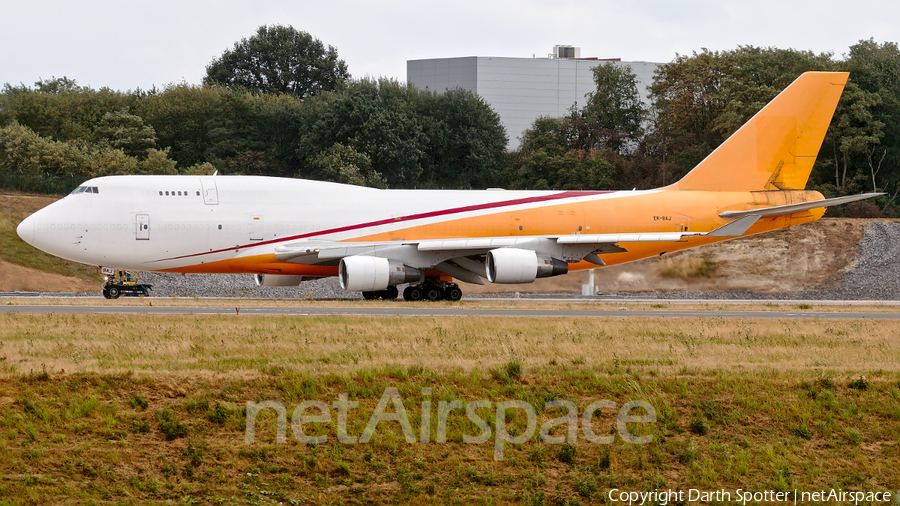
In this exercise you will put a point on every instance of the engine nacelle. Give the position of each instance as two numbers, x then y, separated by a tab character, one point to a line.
512	265
368	274
278	280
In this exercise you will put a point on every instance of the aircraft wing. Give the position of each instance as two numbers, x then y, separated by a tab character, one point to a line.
461	259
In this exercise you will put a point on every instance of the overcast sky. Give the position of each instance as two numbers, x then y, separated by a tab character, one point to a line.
126	45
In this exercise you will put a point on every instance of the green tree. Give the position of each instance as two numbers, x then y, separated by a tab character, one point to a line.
279	59
23	150
853	132
615	107
700	100
181	115
372	117
125	131
875	68
551	156
59	108
343	164
465	139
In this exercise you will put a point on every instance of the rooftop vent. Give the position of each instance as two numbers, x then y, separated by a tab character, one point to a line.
566	52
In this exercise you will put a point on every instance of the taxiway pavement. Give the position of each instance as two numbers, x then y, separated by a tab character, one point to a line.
406	311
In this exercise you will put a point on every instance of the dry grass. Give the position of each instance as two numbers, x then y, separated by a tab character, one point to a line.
686	267
157	345
149	408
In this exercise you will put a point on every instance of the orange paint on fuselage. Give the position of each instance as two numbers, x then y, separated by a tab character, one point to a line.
663	211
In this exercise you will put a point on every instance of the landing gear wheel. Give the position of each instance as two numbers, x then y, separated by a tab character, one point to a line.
433	293
370	295
113	292
106	293
391	293
453	293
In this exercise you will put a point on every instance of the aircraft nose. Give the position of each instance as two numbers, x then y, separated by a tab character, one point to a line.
26	230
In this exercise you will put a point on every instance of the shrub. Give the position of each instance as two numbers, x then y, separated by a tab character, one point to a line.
802	431
699	426
826	383
605	461
513	368
137	401
690	453
566	453
140	426
537	454
860	383
219	414
169	426
585	485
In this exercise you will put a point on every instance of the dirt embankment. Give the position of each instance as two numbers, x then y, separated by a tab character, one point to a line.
16	278
806	257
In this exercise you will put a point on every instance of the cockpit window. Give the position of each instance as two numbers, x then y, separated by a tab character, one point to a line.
85	189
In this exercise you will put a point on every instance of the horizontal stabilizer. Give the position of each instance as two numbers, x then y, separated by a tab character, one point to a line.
770	212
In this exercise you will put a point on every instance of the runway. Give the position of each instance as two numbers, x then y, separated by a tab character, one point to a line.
401	310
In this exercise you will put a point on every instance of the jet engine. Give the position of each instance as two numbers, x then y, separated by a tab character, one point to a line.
367	274
278	280
512	265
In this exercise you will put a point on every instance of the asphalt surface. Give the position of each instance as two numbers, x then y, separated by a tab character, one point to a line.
402	310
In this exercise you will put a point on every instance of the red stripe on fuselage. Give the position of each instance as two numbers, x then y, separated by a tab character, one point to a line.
432	214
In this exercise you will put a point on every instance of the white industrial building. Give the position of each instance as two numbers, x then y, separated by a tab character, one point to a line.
521	90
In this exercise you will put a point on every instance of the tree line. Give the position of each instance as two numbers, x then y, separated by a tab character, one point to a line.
698	101
373	132
281	103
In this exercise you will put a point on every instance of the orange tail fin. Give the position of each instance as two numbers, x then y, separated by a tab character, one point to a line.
776	149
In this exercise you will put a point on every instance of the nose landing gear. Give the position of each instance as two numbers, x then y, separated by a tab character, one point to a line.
123	283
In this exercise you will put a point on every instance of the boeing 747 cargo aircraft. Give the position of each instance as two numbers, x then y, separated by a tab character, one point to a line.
285	231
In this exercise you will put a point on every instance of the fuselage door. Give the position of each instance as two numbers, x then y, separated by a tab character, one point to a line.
142	227
210	192
256	228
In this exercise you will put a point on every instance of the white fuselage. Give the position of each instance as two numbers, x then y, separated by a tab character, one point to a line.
153	223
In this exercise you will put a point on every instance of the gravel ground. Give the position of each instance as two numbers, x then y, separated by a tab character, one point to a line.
876	276
241	285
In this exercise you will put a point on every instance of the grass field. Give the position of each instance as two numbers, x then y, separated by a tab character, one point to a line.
138	409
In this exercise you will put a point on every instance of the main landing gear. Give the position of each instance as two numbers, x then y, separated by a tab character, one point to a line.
390	293
440	290
429	290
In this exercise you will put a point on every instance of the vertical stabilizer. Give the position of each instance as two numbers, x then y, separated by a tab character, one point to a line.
776	149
